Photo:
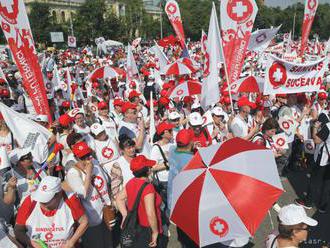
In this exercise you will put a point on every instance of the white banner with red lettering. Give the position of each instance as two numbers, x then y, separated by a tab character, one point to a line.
286	77
310	10
237	18
16	27
173	13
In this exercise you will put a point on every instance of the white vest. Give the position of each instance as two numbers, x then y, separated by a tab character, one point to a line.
53	230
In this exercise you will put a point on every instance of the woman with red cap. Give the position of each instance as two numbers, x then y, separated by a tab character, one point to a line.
320	105
149	213
89	181
63	128
106	120
6	136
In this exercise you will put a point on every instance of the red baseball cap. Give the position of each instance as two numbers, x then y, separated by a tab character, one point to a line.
188	99
5	93
66	104
126	106
102	105
244	101
133	94
140	161
163	127
281	95
65	120
81	149
118	102
165	101
167	86
163	92
132	84
2	81
95	85
183	137
322	95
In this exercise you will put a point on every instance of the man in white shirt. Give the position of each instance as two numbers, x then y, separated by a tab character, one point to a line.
239	125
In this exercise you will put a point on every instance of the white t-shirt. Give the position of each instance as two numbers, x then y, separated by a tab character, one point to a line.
6	142
85	132
270	243
91	199
239	127
106	151
156	155
109	126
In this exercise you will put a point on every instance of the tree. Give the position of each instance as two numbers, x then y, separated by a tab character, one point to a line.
41	22
93	20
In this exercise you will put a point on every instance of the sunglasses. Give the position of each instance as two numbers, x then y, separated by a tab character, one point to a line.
86	157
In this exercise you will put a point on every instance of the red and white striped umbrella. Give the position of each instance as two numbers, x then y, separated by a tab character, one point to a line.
187	88
248	84
106	72
176	68
225	191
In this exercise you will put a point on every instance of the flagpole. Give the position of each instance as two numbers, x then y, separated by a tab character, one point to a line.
294	19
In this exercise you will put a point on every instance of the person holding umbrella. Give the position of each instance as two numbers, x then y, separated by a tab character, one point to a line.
292	229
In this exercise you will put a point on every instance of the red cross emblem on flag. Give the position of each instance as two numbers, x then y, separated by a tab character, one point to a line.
261	37
312	4
49	236
309	146
5	27
9	10
285	125
219	227
171	8
239	10
280	142
277	74
179	92
98	182
107	152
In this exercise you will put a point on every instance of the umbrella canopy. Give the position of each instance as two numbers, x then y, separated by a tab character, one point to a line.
177	68
106	72
225	191
248	84
187	88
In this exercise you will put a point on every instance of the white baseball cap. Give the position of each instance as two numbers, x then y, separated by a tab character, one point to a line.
97	128
16	154
195	119
41	118
293	214
47	189
174	115
218	111
195	105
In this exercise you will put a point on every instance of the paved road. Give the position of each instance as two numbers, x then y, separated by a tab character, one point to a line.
295	183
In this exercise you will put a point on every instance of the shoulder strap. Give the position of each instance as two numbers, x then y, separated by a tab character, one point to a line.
273	243
138	197
163	155
12	140
100	121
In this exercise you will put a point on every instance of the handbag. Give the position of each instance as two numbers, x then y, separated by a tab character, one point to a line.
131	227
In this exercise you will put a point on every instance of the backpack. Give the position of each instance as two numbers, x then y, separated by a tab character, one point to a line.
131	227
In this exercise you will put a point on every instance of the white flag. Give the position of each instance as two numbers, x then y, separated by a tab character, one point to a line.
131	65
260	39
162	59
210	87
27	133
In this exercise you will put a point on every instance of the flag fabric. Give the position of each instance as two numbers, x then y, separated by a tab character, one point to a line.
72	41
210	88
27	133
152	127
16	27
237	18
286	77
309	14
287	40
173	13
167	41
162	59
260	39
205	53
131	65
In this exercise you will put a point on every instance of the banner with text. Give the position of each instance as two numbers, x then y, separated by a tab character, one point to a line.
286	77
16	27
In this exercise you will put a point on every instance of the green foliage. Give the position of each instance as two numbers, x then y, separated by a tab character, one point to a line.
42	23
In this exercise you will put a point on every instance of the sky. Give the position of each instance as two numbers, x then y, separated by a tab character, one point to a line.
285	3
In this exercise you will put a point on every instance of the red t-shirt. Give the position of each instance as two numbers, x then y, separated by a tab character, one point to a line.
204	137
132	188
28	205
